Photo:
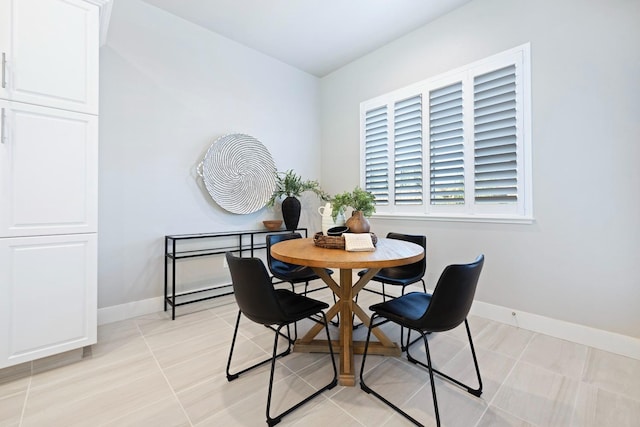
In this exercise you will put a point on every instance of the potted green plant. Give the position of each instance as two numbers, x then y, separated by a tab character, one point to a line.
363	204
291	186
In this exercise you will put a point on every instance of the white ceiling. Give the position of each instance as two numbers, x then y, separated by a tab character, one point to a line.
316	36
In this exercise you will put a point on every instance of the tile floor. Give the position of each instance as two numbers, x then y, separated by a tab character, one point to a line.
151	371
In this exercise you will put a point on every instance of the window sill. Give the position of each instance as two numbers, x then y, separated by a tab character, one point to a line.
506	219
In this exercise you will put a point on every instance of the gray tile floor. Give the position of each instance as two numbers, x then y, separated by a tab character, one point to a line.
151	371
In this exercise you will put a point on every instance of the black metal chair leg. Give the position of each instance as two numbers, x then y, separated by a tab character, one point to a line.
335	323
368	389
233	376
353	316
363	385
431	379
475	391
277	419
478	391
271	421
404	347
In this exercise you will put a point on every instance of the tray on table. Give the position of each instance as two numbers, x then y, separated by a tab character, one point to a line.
335	242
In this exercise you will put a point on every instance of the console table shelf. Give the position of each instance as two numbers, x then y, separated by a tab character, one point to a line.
176	248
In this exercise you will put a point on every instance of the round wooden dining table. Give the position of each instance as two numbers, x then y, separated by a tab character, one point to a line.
388	253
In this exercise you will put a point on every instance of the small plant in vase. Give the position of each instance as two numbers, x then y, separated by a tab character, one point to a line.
291	186
363	203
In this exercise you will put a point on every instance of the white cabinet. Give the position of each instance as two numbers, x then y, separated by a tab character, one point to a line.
48	177
48	171
50	50
48	302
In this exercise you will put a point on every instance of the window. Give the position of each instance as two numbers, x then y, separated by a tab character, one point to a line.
455	146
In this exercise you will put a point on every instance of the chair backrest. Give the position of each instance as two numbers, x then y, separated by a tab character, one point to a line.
417	269
453	296
253	290
277	266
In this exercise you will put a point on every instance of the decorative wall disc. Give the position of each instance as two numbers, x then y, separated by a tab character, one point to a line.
239	173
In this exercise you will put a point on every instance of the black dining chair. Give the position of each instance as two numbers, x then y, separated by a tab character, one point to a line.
284	272
443	310
261	303
403	275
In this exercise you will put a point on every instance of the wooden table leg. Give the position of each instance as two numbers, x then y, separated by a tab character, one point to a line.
347	375
346	307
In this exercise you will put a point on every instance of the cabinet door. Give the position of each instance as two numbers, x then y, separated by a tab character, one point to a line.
51	49
48	296
5	38
48	171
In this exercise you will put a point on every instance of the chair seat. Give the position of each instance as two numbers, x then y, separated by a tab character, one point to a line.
394	276
294	275
296	306
405	310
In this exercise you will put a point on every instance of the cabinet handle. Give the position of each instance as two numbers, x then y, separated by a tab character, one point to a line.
4	70
2	126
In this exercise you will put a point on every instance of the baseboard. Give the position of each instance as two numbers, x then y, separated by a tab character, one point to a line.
116	313
133	309
597	338
592	337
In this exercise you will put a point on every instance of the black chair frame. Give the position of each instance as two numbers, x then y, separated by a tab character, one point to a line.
283	277
377	321
272	314
380	278
302	275
444	311
233	376
271	421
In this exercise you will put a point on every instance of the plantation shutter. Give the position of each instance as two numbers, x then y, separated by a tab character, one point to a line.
407	144
377	154
446	145
495	136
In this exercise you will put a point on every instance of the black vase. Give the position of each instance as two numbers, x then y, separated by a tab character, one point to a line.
291	212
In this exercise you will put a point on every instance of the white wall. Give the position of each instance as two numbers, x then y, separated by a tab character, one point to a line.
580	261
168	89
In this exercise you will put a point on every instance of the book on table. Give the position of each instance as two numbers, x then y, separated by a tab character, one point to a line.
356	242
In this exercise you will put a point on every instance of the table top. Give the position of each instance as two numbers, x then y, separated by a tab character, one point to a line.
388	253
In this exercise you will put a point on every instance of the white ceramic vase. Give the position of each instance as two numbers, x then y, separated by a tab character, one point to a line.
327	220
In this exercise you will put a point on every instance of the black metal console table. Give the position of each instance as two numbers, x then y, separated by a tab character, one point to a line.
244	241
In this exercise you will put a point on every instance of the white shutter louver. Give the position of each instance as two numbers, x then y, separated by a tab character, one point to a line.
457	145
407	142
495	136
377	154
446	145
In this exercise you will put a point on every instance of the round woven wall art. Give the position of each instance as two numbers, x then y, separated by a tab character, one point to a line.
239	173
